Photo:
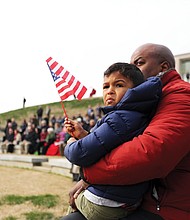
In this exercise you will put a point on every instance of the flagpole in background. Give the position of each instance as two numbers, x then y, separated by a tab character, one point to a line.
24	101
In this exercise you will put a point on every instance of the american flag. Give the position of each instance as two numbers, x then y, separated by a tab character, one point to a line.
65	82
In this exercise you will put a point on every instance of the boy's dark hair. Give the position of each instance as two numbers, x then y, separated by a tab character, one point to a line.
130	71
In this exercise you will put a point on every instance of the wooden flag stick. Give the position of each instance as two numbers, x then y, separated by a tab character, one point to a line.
64	110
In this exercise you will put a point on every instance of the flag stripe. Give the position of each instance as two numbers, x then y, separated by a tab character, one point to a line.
64	90
61	83
59	70
48	60
66	95
63	87
72	81
75	86
53	65
81	93
66	76
55	68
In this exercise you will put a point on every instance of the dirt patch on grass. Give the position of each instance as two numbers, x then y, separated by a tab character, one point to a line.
17	181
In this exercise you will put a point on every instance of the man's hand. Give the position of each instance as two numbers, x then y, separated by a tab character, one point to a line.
75	191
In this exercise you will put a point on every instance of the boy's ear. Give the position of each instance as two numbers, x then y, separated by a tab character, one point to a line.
165	66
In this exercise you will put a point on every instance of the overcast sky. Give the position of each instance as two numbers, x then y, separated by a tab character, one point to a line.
84	36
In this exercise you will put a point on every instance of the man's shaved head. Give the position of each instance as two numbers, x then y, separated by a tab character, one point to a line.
152	59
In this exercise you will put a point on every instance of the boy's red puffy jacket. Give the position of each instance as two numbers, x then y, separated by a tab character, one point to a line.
161	152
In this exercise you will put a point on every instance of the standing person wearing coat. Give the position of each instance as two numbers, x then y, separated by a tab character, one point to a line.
163	148
129	105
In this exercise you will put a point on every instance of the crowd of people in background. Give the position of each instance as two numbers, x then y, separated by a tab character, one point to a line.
43	133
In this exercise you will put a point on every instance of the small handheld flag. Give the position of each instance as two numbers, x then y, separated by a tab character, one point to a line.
65	82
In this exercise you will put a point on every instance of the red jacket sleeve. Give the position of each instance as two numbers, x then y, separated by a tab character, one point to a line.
158	150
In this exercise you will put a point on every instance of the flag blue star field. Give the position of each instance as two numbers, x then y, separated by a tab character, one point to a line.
65	82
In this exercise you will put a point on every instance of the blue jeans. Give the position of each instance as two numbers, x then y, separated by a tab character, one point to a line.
137	215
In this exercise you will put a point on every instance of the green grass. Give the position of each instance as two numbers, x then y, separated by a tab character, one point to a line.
35	216
46	201
72	107
39	216
10	218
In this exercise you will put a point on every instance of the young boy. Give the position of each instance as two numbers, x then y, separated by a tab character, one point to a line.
130	103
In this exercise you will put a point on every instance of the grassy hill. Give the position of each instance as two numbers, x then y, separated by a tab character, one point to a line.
73	107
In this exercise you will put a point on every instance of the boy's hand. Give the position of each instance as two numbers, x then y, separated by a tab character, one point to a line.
72	139
75	128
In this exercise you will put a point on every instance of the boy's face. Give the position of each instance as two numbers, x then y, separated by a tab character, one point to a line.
114	87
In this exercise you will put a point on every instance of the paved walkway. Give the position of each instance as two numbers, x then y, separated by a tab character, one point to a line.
54	164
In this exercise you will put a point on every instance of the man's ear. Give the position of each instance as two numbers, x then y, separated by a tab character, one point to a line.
165	66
